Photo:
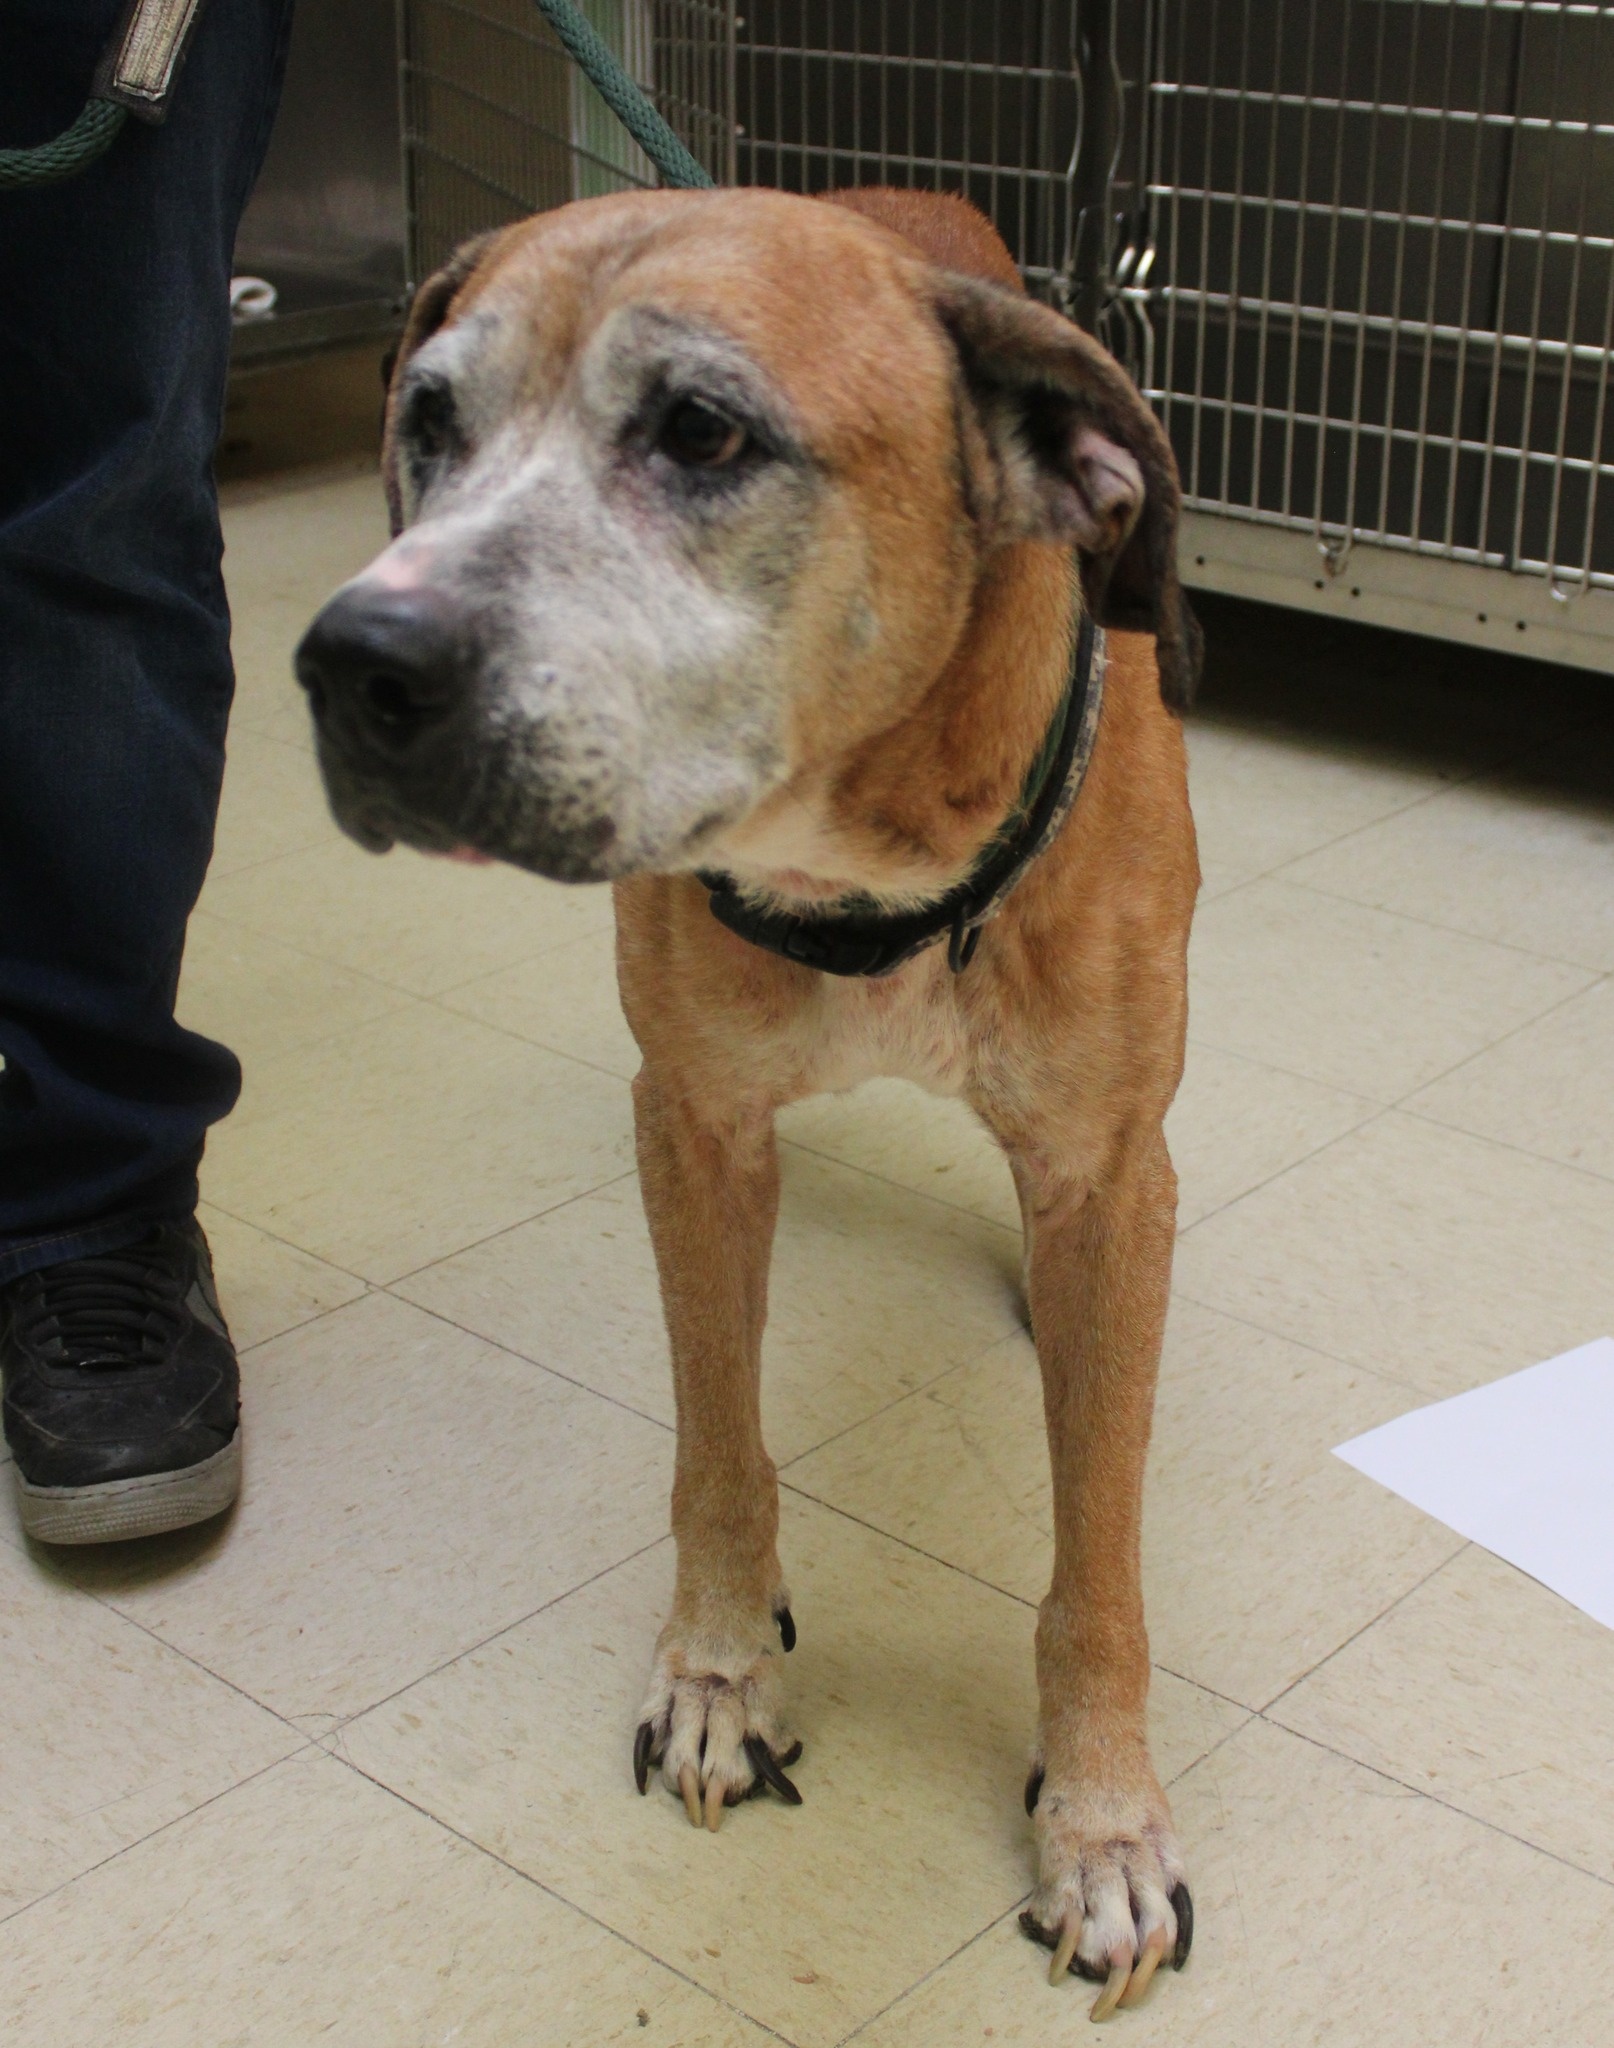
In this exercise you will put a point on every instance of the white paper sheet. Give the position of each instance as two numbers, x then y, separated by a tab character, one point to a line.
1524	1466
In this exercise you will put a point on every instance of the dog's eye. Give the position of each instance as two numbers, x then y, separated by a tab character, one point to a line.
700	437
431	423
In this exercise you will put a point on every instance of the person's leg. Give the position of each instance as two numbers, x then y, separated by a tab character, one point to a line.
120	1381
115	676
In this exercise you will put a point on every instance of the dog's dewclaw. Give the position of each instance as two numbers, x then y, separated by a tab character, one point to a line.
643	1742
1110	1997
787	1628
690	1785
1034	1788
768	1771
1153	1955
1060	1965
714	1805
1183	1906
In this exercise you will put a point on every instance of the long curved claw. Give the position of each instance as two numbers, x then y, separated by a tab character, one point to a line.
714	1804
1059	1968
690	1785
1034	1788
644	1742
1182	1905
768	1771
787	1629
1115	1987
1154	1950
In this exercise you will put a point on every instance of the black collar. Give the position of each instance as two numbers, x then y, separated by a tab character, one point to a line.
856	937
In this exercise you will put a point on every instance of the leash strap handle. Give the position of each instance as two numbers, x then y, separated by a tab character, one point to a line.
141	62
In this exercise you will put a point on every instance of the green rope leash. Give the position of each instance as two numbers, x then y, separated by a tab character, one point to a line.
65	155
625	99
91	135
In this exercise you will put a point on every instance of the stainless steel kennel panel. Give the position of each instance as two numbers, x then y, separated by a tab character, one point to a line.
1358	253
1379	317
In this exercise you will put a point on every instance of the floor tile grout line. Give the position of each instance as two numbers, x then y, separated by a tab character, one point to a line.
1438	1123
1506	1038
1216	1693
1435	924
234	921
504	1230
1400	1106
970	1941
926	1387
1264	1710
345	1721
1322	846
906	1543
487	974
1247	1322
1339	1138
550	1892
287	1244
1422	1792
162	1828
1235	1052
108	1603
537	1044
235	925
534	1364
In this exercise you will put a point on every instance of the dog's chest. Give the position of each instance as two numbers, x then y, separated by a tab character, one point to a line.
909	1025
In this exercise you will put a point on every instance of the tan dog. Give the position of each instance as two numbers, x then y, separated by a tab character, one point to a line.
741	532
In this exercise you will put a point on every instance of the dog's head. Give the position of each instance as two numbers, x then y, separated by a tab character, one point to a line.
691	493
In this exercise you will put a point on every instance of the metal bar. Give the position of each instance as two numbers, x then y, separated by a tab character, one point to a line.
1566	238
1517	124
1092	183
1591	353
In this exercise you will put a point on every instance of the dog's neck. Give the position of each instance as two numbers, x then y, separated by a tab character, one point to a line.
904	815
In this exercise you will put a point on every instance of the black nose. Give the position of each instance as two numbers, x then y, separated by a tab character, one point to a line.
389	664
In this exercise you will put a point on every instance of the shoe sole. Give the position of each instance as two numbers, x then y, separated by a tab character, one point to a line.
121	1508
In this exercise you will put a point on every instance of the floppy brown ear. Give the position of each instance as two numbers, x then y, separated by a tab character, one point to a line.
428	309
1072	453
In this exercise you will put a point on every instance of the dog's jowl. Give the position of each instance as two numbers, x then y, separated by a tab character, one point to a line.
780	561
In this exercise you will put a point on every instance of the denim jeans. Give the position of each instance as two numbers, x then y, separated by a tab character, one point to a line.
115	677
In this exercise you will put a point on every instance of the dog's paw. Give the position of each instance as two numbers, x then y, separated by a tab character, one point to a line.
715	1723
1112	1901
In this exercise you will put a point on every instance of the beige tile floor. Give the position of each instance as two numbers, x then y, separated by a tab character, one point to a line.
354	1766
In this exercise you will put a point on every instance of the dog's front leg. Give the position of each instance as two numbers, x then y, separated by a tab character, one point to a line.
1111	1898
713	1717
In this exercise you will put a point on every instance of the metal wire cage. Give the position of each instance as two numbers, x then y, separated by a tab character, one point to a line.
1358	253
1382	298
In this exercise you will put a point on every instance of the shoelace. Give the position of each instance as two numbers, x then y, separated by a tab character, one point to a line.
119	1309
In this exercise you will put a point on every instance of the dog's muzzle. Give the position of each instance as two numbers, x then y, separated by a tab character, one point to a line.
399	684
386	671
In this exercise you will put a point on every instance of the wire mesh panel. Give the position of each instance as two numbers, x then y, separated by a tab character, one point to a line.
1383	290
981	99
498	123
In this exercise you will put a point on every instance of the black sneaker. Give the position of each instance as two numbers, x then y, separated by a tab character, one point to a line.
122	1394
